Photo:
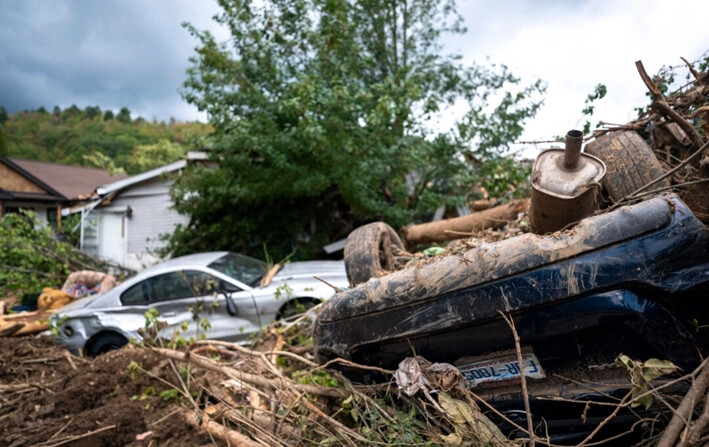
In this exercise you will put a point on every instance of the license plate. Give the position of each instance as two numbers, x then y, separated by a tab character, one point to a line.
501	369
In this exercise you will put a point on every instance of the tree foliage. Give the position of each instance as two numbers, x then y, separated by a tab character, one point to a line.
94	138
31	258
327	114
34	257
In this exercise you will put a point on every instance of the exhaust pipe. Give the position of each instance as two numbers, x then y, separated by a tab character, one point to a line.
572	152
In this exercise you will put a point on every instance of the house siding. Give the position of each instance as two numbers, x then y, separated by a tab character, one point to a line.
152	215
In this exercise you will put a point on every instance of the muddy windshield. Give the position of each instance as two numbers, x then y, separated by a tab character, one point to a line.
242	268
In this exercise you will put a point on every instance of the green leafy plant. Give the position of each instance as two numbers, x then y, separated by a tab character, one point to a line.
599	92
199	315
31	258
55	323
641	373
283	290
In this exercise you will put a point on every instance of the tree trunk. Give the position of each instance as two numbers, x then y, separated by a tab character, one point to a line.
445	230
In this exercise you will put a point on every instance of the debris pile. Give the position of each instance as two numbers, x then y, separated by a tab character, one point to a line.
272	394
676	125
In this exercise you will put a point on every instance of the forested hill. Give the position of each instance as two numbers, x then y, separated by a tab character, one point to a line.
97	138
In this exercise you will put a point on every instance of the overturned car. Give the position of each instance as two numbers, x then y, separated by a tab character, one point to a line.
631	281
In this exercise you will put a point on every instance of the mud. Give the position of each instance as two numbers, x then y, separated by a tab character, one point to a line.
50	396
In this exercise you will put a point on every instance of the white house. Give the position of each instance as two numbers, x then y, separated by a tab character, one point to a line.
125	219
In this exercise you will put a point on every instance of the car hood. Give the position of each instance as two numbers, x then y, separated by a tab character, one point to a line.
300	275
308	269
79	304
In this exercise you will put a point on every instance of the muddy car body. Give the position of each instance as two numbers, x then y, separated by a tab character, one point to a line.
630	281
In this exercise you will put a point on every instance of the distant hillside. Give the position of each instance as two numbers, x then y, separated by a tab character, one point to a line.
96	138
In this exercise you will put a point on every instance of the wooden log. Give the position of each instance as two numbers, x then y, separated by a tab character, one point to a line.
445	230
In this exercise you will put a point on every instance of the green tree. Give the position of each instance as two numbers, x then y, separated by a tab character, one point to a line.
92	112
3	115
124	115
150	156
324	115
31	258
108	115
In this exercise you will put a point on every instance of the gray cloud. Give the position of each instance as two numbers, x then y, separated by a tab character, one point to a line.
133	53
108	53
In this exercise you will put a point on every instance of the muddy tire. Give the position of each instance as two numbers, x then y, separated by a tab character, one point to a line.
296	307
630	163
105	342
368	252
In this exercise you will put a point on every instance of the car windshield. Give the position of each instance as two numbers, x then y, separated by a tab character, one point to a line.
242	268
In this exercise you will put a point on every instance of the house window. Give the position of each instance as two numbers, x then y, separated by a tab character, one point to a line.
52	218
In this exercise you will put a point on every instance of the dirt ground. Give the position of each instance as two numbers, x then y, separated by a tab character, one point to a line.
49	397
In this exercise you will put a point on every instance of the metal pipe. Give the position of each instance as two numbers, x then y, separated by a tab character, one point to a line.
572	152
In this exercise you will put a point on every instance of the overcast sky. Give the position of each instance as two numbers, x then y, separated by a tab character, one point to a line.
115	53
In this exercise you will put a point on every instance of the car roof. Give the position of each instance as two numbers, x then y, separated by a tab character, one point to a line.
193	260
188	261
197	260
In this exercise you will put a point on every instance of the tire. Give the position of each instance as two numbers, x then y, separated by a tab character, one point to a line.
368	252
630	163
295	307
108	341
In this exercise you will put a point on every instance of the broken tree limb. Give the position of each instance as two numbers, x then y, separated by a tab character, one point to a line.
693	396
233	373
444	230
660	104
523	380
218	431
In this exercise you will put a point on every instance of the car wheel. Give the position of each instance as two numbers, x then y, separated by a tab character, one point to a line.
295	307
368	252
105	342
630	163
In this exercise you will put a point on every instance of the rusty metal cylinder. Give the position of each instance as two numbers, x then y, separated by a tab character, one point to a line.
572	152
565	184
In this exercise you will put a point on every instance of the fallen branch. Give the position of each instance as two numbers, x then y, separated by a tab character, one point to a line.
218	431
660	104
241	376
68	439
695	393
520	361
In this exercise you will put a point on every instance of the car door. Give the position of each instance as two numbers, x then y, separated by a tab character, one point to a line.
196	300
212	292
171	295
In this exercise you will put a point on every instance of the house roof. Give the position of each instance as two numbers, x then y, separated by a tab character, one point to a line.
66	180
123	183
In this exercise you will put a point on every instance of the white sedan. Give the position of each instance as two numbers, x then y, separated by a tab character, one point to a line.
225	288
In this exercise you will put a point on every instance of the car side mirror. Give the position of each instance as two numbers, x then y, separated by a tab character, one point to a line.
230	304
